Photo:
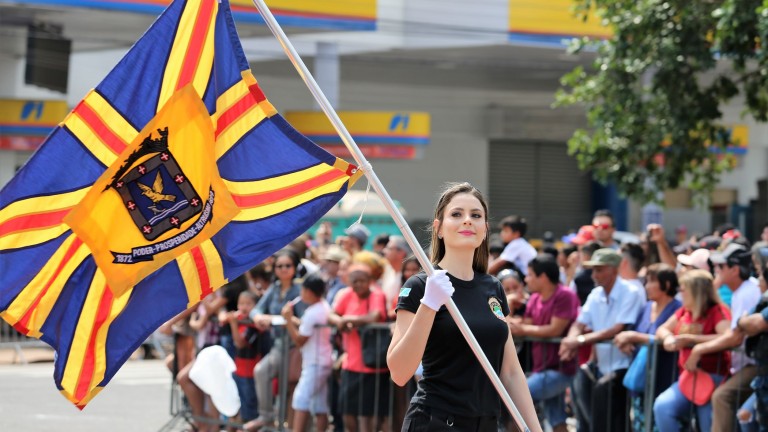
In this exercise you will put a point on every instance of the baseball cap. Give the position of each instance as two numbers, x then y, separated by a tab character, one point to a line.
604	257
212	372
697	258
400	243
584	236
335	253
358	231
696	386
733	254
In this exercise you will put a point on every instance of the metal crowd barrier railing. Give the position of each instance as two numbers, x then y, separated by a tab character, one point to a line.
10	338
390	419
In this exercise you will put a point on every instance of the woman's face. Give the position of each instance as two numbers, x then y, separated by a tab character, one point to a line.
464	223
284	268
653	288
410	268
360	283
512	286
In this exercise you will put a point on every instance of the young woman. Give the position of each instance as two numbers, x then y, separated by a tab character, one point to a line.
455	393
702	317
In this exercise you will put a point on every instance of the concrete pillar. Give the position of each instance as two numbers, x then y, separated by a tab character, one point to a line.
327	72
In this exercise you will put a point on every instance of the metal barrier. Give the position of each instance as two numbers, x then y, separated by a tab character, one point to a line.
388	408
10	338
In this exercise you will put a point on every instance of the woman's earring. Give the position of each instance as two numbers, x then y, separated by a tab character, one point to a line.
439	236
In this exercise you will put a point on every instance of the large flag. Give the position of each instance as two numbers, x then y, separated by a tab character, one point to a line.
171	177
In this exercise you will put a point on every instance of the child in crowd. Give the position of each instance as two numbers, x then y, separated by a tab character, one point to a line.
313	336
248	351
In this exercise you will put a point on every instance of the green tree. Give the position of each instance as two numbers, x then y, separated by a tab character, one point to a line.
654	95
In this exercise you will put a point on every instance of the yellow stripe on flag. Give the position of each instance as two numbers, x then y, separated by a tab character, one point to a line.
276	183
281	206
31	238
188	271
82	335
48	203
245	123
113	119
90	140
215	266
48	282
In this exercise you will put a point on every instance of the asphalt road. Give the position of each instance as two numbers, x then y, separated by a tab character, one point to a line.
137	399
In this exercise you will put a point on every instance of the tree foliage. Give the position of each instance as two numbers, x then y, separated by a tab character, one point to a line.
654	97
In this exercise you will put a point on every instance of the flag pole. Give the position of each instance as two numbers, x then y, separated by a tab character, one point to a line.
362	162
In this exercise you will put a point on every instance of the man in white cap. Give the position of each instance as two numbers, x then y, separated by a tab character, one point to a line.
396	252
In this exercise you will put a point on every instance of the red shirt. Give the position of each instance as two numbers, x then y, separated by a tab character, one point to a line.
716	363
348	303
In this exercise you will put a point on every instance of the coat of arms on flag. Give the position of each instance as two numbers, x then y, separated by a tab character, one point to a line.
179	176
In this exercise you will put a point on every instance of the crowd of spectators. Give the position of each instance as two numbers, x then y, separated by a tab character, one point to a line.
587	313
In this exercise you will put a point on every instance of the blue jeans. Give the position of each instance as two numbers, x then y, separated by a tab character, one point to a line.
548	387
246	388
751	406
671	407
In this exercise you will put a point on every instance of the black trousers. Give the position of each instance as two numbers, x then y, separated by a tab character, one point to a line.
425	419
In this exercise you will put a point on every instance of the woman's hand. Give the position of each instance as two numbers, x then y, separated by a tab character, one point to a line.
438	290
670	343
685	340
625	341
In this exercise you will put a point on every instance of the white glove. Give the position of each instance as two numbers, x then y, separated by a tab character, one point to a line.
438	290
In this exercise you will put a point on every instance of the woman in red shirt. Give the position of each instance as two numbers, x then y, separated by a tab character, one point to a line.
701	318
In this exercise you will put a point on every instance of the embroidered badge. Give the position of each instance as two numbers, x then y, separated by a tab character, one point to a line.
404	292
495	306
156	193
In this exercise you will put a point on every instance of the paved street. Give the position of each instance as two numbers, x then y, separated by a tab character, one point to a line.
137	399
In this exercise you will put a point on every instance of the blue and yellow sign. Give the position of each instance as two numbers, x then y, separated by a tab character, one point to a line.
24	124
350	15
550	22
380	134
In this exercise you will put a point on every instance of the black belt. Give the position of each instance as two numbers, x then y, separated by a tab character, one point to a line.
462	423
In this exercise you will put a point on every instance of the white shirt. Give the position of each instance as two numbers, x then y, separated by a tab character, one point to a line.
317	350
743	302
519	252
639	285
599	312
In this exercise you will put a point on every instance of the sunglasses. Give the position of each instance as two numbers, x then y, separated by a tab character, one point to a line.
601	226
281	266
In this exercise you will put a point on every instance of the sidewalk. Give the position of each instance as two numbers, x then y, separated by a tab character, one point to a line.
31	355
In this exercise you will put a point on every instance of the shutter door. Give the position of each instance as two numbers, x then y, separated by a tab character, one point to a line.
539	181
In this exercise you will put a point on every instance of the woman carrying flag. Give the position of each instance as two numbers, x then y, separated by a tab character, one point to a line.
455	393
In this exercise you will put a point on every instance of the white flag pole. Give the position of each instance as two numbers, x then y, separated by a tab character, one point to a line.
362	162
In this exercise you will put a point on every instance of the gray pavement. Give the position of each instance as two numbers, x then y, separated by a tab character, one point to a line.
137	399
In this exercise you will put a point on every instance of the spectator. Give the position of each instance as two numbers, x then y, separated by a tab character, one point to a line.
701	318
380	242
632	260
514	288
250	346
207	330
357	236
395	252
517	251
282	291
610	308
231	293
698	259
313	337
659	245
355	306
582	283
661	286
755	326
733	269
329	270
550	312
567	271
604	226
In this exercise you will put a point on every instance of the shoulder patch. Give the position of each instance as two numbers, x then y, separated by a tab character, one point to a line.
495	306
404	292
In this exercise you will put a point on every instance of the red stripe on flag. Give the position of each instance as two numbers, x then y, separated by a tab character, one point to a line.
260	199
24	321
239	108
114	142
202	272
37	220
196	43
86	372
